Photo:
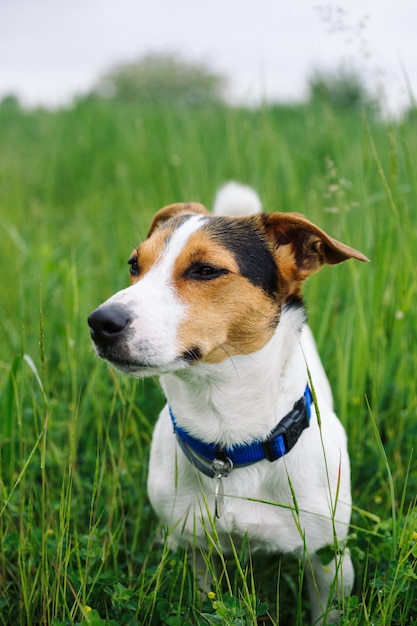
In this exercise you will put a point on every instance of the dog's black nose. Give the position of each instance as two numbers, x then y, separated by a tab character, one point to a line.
108	323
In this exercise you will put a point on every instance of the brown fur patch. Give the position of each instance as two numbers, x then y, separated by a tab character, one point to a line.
301	248
227	315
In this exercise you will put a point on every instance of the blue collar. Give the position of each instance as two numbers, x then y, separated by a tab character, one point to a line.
214	460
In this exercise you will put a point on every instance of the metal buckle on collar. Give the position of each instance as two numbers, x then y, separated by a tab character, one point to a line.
290	428
221	469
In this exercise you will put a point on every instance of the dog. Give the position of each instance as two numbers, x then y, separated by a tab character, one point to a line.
215	309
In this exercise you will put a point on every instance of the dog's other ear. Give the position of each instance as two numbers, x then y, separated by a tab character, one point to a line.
295	237
174	210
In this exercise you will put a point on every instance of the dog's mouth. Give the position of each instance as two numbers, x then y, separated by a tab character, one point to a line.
119	358
129	364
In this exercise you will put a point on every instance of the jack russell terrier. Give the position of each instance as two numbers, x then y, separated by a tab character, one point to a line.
248	440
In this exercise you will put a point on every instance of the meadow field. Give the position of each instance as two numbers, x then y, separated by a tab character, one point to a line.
79	543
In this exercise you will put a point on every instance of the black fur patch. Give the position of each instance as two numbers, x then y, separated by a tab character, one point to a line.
249	246
295	302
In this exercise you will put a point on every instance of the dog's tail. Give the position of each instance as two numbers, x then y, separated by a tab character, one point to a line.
236	199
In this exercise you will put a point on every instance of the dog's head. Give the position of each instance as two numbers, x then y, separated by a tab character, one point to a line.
204	287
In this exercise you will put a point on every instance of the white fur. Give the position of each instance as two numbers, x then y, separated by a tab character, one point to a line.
236	199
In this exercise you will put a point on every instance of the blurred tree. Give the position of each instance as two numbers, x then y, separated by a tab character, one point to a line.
343	88
10	102
162	78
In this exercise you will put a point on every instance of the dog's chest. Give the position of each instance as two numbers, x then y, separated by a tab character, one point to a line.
267	526
254	504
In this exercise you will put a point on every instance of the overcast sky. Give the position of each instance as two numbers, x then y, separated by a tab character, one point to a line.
51	50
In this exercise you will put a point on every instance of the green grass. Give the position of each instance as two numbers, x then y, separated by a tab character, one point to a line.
79	543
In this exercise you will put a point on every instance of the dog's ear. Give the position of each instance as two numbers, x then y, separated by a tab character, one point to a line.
174	210
304	245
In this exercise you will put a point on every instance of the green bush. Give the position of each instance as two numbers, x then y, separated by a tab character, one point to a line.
342	88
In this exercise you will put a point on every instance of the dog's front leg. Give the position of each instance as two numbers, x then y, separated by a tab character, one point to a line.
326	583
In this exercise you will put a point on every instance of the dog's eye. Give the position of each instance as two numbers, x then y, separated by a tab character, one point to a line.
205	271
134	266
